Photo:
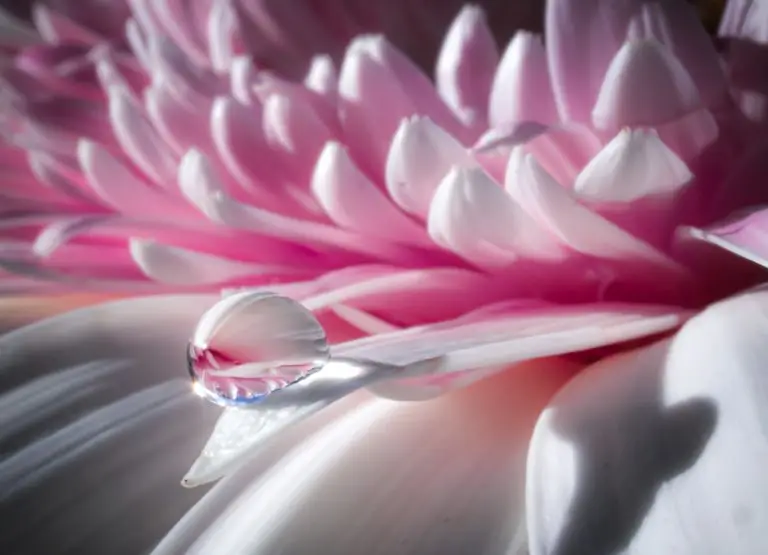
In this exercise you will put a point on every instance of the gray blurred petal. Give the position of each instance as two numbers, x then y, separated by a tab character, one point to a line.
99	425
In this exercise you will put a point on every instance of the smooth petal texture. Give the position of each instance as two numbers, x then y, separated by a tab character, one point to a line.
98	416
634	165
476	218
639	65
421	155
456	354
575	225
353	201
746	236
624	458
466	65
16	312
522	90
462	456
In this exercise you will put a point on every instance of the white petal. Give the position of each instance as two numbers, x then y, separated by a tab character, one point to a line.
643	449
420	157
635	164
407	478
99	424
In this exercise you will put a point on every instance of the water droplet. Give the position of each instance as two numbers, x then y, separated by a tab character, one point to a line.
251	344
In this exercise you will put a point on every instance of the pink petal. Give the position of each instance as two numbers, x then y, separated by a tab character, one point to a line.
224	44
118	187
403	297
296	133
139	139
421	155
176	266
372	104
521	89
575	225
354	202
564	151
203	189
323	78
635	164
474	217
677	25
582	37
57	28
638	66
177	19
180	127
466	65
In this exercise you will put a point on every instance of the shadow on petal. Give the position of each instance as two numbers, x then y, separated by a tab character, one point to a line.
615	444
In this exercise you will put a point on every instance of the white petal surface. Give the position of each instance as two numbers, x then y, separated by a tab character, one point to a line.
99	422
408	478
456	353
662	450
635	164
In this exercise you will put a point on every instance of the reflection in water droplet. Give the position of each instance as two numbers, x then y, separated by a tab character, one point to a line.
251	344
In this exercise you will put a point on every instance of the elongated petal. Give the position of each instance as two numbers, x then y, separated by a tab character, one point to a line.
625	454
97	418
522	90
397	474
353	201
457	354
466	65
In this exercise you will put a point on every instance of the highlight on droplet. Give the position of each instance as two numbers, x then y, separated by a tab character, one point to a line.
251	344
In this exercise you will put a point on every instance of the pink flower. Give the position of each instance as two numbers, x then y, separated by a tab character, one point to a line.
535	231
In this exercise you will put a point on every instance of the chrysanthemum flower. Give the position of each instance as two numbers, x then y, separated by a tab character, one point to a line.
563	236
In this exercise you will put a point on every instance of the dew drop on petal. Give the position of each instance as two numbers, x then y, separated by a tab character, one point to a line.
251	344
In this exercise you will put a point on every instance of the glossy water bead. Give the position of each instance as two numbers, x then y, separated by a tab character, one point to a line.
251	344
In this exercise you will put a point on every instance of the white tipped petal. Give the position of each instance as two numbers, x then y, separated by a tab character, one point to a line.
522	90
466	65
634	165
173	265
353	201
474	217
420	157
644	85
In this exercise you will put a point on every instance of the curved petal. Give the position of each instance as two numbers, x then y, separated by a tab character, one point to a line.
99	423
641	449
391	477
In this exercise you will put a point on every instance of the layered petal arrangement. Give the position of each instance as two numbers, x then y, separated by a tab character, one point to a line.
510	307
